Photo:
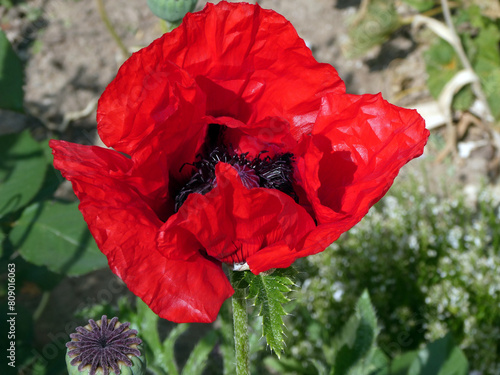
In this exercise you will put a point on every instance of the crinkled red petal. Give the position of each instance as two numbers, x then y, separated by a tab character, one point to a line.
271	134
230	60
357	147
153	110
125	229
234	224
255	62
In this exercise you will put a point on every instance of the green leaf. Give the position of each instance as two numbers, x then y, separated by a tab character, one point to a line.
295	366
161	356
400	365
487	45
374	28
6	3
355	346
51	182
442	64
146	322
22	171
421	5
442	357
168	361
269	293
491	85
456	364
11	77
486	63
378	361
198	358
54	234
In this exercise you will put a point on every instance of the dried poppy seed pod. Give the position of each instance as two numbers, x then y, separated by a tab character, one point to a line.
103	347
171	10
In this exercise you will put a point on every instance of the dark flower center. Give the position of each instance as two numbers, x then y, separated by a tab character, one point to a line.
262	171
103	346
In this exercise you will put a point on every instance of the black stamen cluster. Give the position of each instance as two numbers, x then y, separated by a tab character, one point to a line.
274	172
103	346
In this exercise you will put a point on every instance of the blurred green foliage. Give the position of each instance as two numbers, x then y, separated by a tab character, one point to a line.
11	77
53	234
45	231
354	351
373	27
422	5
480	37
10	3
22	171
442	63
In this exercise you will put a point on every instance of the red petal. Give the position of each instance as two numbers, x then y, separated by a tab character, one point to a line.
152	100
125	229
251	64
277	255
358	145
230	60
272	134
235	224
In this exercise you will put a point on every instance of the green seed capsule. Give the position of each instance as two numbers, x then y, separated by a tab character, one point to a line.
171	10
138	367
105	347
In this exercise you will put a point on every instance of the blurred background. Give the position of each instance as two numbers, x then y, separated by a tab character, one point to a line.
428	253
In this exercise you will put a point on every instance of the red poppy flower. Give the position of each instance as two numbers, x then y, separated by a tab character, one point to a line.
231	144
